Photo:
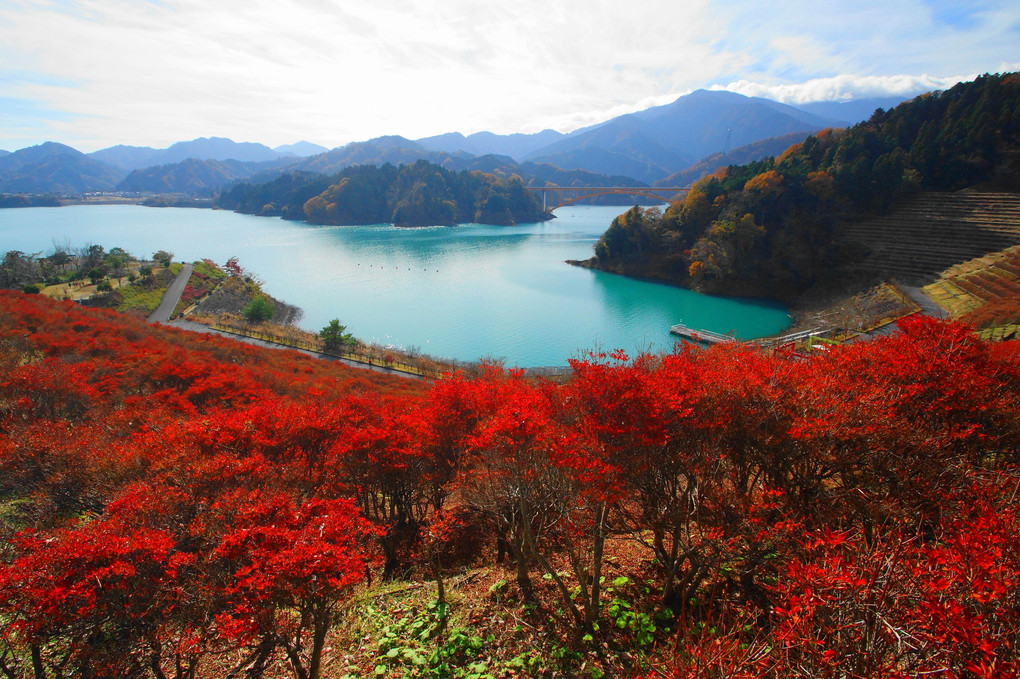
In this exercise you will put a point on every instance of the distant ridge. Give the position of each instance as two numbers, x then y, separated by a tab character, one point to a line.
127	157
192	177
55	168
516	146
301	148
848	113
773	146
667	139
648	146
204	148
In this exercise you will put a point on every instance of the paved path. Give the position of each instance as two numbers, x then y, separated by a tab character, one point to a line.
172	296
199	327
928	306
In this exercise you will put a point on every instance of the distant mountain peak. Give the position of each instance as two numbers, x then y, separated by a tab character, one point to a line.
52	167
516	145
665	139
301	148
203	148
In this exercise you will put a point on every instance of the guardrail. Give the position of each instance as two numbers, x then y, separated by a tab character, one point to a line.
355	357
792	337
706	336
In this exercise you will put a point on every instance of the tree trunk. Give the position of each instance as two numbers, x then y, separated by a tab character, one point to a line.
520	550
322	623
294	655
37	664
596	565
255	664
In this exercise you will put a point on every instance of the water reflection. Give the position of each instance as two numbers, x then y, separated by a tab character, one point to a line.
462	292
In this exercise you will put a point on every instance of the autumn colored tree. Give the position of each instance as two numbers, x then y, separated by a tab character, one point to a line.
896	605
168	497
285	557
616	426
891	428
506	474
89	598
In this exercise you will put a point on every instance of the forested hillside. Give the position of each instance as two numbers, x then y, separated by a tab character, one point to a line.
773	227
177	505
190	177
419	194
55	168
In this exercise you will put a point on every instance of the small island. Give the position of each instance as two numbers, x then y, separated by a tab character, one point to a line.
419	194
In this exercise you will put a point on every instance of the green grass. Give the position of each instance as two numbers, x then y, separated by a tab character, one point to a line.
214	272
134	298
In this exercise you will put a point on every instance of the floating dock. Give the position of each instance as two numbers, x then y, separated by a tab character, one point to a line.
706	336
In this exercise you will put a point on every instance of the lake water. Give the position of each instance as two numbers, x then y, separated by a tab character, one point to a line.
461	292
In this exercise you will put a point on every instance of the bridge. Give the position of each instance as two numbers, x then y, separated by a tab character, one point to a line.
561	196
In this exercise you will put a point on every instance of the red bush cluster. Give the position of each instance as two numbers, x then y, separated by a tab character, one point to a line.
169	495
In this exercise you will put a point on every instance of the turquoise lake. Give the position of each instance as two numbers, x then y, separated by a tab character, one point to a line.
462	292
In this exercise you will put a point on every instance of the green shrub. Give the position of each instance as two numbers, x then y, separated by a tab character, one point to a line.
258	310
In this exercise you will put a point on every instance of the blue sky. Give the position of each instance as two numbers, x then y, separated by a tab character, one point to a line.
93	73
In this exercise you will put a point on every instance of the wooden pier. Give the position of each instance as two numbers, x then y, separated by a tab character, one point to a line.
792	338
706	336
709	337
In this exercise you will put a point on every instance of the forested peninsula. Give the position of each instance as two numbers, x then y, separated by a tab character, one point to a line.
774	227
419	194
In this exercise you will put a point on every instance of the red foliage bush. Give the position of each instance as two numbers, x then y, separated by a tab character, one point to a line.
851	514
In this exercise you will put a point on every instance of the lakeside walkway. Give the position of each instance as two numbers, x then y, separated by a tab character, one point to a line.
172	296
199	327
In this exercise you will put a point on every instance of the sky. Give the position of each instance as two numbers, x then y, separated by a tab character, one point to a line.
95	73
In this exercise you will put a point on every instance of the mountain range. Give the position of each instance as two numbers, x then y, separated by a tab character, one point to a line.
55	168
205	148
649	146
666	139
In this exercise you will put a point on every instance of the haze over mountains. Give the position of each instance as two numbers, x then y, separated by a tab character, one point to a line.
55	168
657	145
212	148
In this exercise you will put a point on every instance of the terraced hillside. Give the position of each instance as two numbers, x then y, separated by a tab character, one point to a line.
984	292
935	231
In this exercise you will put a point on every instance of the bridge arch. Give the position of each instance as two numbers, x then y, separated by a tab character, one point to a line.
556	193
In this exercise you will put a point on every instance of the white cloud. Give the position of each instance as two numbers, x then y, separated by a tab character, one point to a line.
332	71
844	87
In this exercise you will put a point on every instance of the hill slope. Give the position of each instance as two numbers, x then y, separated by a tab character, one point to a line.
759	150
417	194
667	139
203	148
932	232
55	168
778	227
182	505
517	145
193	177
